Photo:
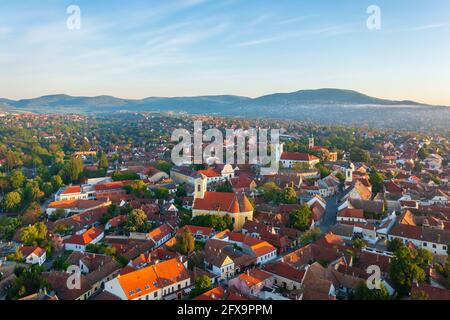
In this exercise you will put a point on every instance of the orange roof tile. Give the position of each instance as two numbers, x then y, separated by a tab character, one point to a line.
73	189
224	202
85	238
217	293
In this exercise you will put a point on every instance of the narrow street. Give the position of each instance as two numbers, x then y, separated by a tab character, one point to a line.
329	218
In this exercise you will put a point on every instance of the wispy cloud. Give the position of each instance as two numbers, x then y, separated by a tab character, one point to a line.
426	27
318	32
293	20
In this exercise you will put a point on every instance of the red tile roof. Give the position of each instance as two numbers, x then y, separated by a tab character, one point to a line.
286	271
160	232
28	250
213	294
85	238
73	189
351	213
210	173
296	156
223	201
254	277
196	230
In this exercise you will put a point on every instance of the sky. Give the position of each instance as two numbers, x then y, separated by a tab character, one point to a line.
137	49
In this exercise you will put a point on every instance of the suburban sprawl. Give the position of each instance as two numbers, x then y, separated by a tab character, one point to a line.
93	208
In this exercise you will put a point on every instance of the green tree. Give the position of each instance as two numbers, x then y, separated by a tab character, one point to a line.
47	188
340	176
8	226
420	295
57	182
12	201
17	256
103	161
362	292
406	266
309	236
32	192
34	235
394	244
27	281
73	169
137	221
17	179
163	166
13	160
300	218
185	242
377	181
4	184
271	192
202	284
161	193
181	191
359	155
324	172
289	196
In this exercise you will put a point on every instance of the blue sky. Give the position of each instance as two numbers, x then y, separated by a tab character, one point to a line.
136	49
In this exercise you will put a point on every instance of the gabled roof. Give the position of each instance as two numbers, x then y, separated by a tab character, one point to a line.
297	156
217	293
433	293
85	238
160	232
351	213
72	189
29	250
254	277
286	271
144	281
223	202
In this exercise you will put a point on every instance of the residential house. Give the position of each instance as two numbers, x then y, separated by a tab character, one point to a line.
80	240
167	280
33	254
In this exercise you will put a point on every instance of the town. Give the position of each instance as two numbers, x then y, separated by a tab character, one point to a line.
93	208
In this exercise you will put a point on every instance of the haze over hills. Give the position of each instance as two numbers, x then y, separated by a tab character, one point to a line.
322	105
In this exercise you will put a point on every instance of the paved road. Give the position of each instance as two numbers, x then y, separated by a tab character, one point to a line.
329	218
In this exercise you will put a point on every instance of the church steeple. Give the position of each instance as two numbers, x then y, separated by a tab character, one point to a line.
311	141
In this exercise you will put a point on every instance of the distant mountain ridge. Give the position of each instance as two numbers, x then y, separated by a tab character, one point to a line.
198	103
328	106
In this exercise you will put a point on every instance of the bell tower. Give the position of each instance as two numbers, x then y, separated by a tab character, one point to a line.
200	186
311	141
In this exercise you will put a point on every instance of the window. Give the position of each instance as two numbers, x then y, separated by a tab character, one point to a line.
434	246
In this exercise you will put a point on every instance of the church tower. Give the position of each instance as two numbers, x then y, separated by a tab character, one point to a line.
311	141
200	186
349	173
